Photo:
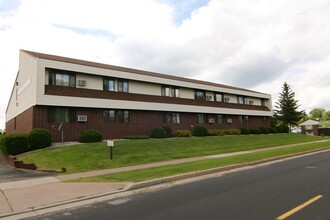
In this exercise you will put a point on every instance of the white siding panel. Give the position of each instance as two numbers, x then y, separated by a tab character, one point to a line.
138	77
144	88
24	92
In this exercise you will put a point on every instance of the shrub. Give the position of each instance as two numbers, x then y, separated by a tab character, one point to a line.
158	133
89	136
200	131
272	130
169	132
264	130
14	144
182	133
255	131
39	138
232	132
213	132
245	131
282	129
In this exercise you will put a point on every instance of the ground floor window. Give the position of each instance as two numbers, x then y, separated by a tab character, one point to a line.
61	114
170	117
201	118
243	120
221	119
111	115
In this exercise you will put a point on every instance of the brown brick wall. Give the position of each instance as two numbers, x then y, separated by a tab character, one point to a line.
141	123
21	123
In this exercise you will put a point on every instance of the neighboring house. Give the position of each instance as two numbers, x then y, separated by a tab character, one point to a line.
310	127
75	95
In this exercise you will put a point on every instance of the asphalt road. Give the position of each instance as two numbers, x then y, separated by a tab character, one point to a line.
9	174
264	192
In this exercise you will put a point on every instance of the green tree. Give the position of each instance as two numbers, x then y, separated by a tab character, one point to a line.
326	116
317	113
286	109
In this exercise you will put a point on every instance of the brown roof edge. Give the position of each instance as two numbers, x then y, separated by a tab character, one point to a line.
130	70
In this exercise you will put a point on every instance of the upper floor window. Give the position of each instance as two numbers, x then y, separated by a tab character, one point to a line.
60	114
218	97
200	94
242	100
263	102
109	84
122	85
170	91
62	78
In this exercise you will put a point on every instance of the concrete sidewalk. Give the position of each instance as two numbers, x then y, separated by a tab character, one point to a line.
31	194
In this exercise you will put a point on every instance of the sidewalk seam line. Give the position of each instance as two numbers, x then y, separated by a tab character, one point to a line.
10	207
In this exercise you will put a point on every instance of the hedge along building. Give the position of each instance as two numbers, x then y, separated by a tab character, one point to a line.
52	91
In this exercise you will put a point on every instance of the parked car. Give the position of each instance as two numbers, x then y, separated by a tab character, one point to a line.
296	130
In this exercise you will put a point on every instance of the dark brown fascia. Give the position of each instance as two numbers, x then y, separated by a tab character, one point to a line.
100	94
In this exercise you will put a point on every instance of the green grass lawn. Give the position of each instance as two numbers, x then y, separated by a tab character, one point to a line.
95	156
170	170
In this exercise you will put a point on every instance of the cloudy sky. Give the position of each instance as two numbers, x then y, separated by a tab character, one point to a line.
255	44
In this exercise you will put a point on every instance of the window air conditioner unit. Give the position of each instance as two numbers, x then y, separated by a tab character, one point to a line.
251	102
211	120
227	99
229	120
81	82
82	118
208	97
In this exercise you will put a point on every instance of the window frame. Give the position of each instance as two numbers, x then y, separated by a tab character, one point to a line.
61	114
200	95
123	85
106	84
201	118
53	75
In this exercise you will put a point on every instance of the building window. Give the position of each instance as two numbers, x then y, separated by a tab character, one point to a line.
243	120
120	116
170	117
170	91
59	115
218	97
199	94
122	85
201	118
123	116
242	100
109	84
221	119
265	120
62	78
263	102
109	115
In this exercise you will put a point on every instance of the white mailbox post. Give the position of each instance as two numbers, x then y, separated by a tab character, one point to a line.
111	145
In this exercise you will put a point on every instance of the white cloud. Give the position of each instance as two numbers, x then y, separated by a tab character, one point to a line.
248	43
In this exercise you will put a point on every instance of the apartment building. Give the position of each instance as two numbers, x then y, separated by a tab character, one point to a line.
60	93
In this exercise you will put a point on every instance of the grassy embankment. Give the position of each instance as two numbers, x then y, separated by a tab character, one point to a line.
95	156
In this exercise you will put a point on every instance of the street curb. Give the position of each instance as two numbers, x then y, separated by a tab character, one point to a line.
154	182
